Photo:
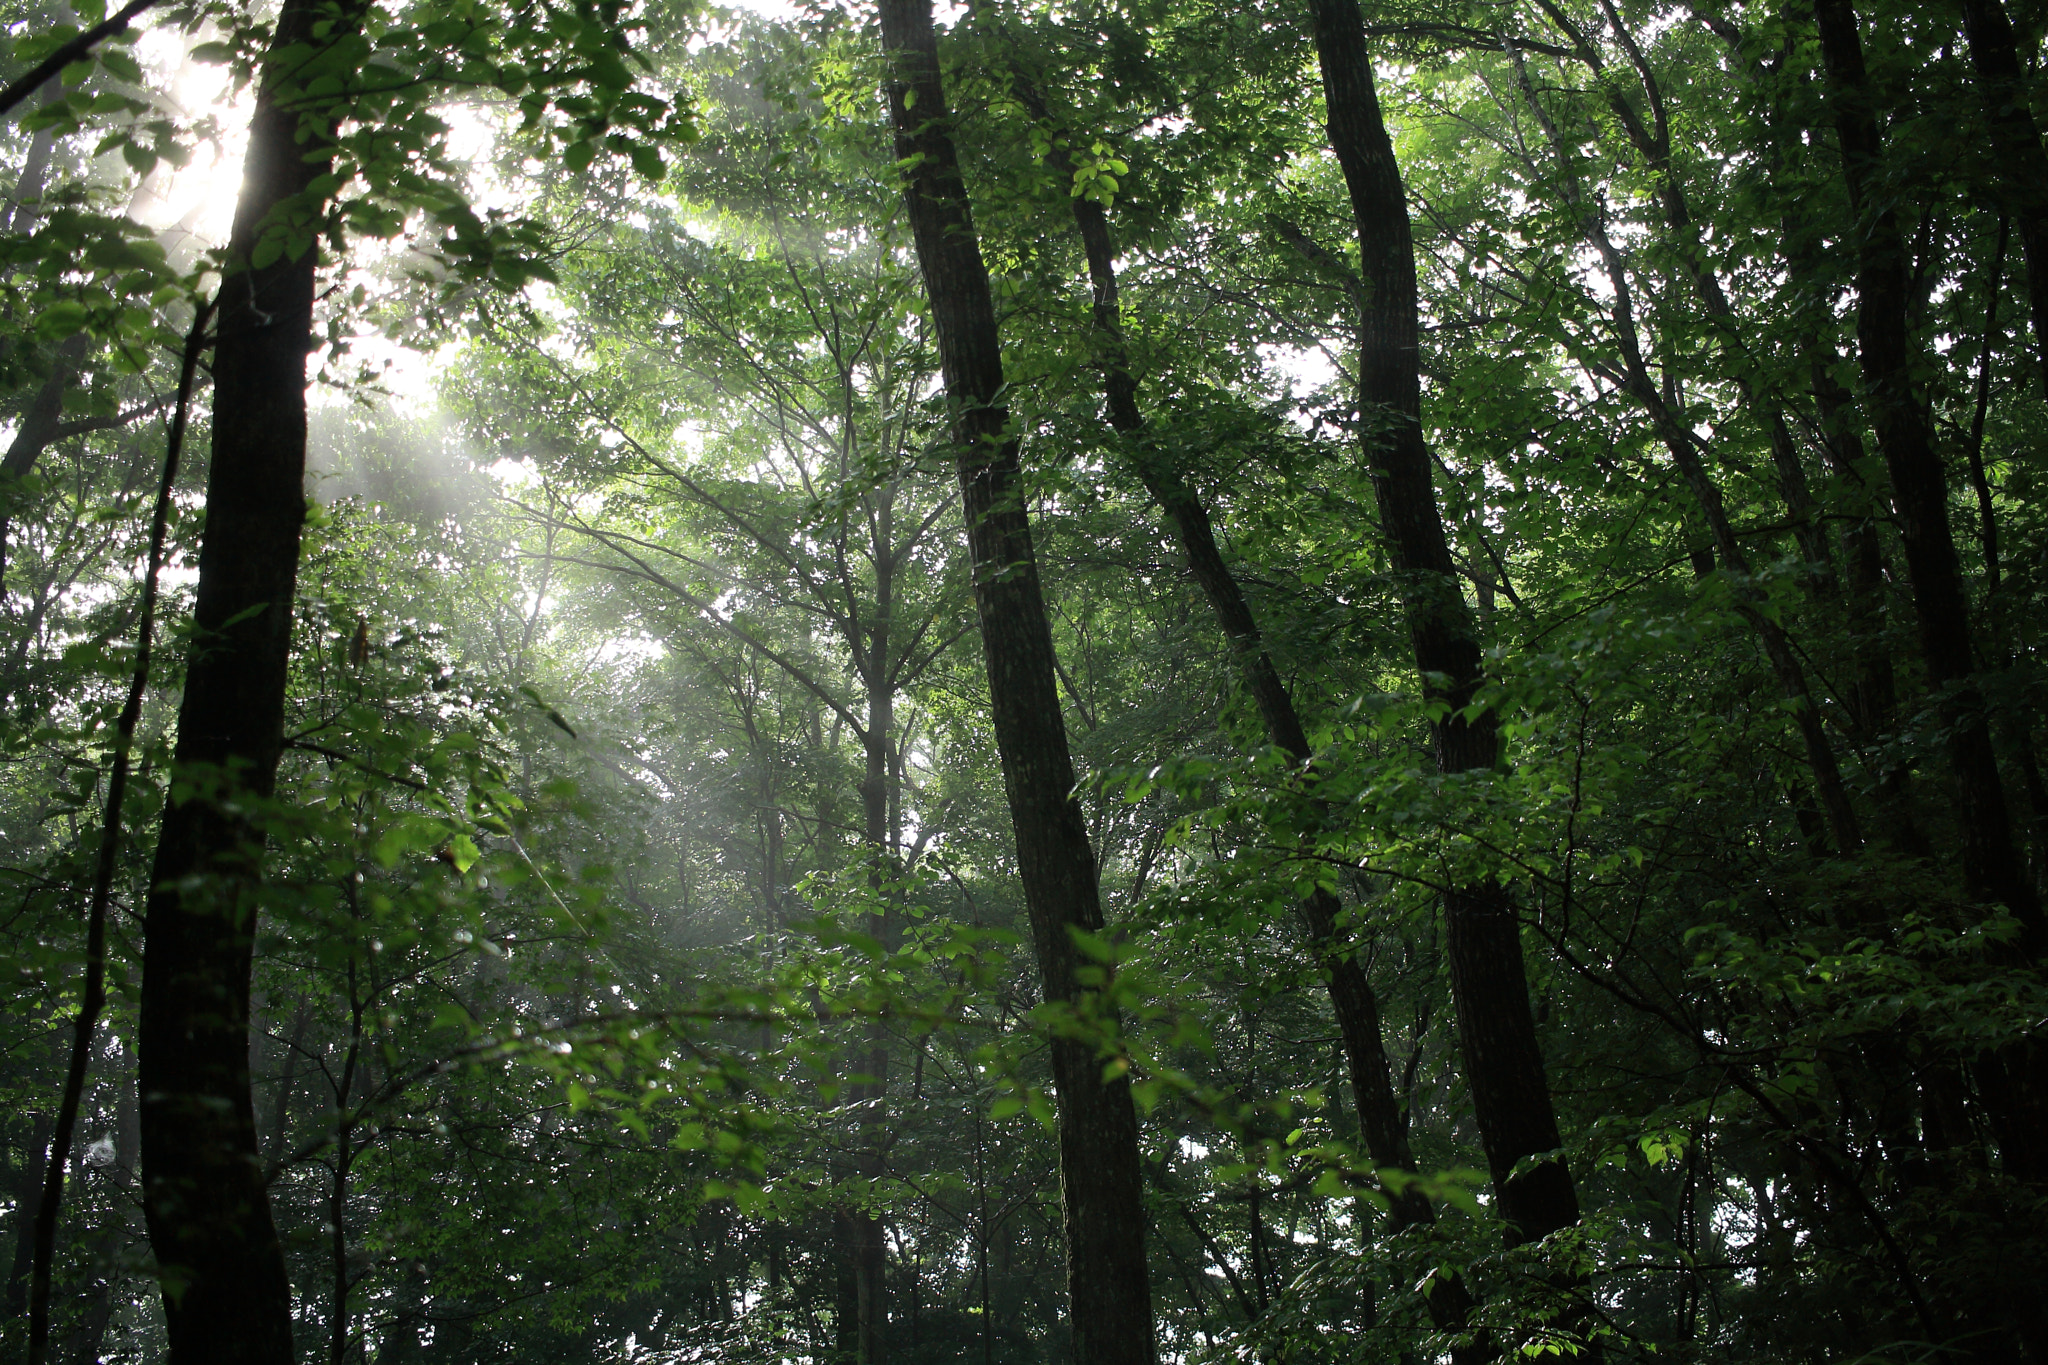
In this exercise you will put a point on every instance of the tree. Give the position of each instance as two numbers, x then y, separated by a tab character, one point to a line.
1108	1284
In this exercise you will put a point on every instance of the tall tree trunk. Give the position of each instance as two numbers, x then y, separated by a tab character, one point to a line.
1873	696
42	422
2013	1082
2021	165
1991	864
28	1198
1652	141
1101	1179
1489	985
1684	446
226	1296
106	861
1352	998
1876	689
864	1234
24	207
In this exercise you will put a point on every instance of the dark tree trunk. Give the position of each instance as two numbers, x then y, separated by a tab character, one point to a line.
45	412
28	1200
41	424
2021	164
2011	1082
1351	995
1991	865
865	1243
1101	1179
226	1296
1873	695
1503	1065
42	420
1876	688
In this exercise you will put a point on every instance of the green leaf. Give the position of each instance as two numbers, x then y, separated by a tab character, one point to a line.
64	318
647	161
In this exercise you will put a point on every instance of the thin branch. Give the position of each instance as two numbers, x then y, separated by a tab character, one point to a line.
24	86
110	845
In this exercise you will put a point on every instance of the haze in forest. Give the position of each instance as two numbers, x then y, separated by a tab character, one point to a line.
1126	683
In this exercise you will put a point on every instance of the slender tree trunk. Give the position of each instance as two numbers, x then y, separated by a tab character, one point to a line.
2021	165
1353	1001
1876	689
25	206
1652	141
1980	480
2012	1081
1489	984
1108	1283
94	997
40	421
28	1198
227	1300
1684	447
865	1236
1991	864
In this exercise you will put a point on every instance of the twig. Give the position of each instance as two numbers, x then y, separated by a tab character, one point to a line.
110	845
64	56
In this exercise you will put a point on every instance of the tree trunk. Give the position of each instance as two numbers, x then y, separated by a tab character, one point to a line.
2021	164
25	207
1352	998
866	1246
226	1296
28	1200
1503	1065
1991	865
1876	690
1101	1179
2011	1082
1678	438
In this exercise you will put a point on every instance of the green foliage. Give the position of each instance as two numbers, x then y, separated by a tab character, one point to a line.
641	912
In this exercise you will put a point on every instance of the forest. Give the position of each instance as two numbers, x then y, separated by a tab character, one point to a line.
1023	682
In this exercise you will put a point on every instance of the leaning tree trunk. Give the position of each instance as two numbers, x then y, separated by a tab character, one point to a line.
1101	1178
1991	865
226	1296
1489	985
2013	1082
1352	998
2020	164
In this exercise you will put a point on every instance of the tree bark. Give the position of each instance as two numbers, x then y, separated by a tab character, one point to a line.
1352	998
1489	985
25	207
2021	163
1101	1178
28	1197
865	1242
1875	700
1991	865
93	998
227	1300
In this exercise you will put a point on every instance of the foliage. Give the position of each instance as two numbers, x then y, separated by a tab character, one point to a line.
642	908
